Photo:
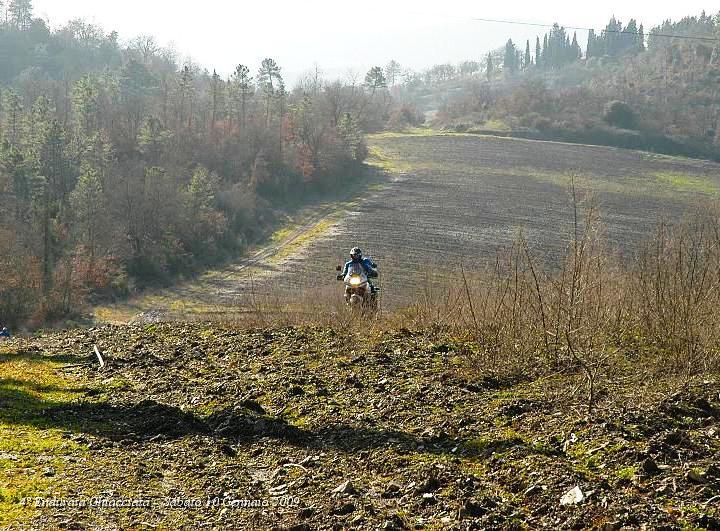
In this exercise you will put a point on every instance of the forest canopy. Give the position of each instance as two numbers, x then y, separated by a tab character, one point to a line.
120	166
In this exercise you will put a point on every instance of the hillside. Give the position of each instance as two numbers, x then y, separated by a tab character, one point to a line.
626	86
439	202
394	429
123	167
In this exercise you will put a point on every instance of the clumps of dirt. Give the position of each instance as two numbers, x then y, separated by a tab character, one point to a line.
338	431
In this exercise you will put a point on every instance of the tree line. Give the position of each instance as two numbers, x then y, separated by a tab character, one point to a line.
120	166
629	87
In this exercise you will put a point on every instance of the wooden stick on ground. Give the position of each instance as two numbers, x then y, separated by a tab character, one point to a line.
99	357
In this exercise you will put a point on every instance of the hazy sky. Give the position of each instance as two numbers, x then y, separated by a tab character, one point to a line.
356	34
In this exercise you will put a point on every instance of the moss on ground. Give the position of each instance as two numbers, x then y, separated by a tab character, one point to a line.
33	453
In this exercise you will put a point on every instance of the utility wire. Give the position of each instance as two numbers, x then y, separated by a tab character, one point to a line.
520	23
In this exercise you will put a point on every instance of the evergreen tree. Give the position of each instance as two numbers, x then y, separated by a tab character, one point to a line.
538	52
152	140
186	93
89	210
641	39
242	90
268	76
392	72
591	50
85	103
351	136
630	42
216	97
528	59
136	85
489	68
20	12
12	164
41	224
202	189
375	79
510	60
12	117
576	52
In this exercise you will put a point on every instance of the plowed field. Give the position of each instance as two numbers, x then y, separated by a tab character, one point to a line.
448	199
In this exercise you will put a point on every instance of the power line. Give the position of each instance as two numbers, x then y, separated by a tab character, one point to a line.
520	23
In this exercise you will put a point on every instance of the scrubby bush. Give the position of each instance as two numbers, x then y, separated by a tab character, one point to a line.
405	116
620	114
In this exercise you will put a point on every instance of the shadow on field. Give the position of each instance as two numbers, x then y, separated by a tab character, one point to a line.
151	420
36	356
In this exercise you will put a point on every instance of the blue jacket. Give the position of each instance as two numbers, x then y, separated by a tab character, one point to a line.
4	332
366	264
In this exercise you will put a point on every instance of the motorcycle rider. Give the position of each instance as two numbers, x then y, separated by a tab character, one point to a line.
368	266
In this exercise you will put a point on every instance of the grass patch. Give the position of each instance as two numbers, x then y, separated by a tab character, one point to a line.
488	445
303	239
33	453
497	126
627	473
412	131
686	183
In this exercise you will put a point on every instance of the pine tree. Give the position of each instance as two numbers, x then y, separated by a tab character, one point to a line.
489	68
12	117
242	89
186	92
85	103
375	79
88	202
641	39
215	94
12	163
21	13
392	72
351	136
152	140
538	52
41	220
267	77
202	189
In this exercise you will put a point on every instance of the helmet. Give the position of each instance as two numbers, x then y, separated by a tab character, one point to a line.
356	253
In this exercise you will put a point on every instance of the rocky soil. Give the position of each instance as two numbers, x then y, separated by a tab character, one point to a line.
313	428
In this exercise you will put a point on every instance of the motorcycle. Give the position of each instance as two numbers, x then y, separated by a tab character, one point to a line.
359	294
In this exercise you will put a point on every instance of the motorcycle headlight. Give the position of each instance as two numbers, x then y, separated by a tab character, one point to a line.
355	281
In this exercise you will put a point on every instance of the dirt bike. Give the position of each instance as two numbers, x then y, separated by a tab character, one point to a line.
359	294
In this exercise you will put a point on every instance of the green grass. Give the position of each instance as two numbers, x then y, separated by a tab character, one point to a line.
686	183
627	473
303	239
496	125
29	444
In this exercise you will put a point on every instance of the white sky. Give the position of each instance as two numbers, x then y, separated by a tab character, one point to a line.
341	35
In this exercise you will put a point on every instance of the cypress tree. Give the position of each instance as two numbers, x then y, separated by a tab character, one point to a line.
576	52
538	52
528	58
590	51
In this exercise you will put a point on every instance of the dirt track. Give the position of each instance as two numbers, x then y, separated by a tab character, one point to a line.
459	198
